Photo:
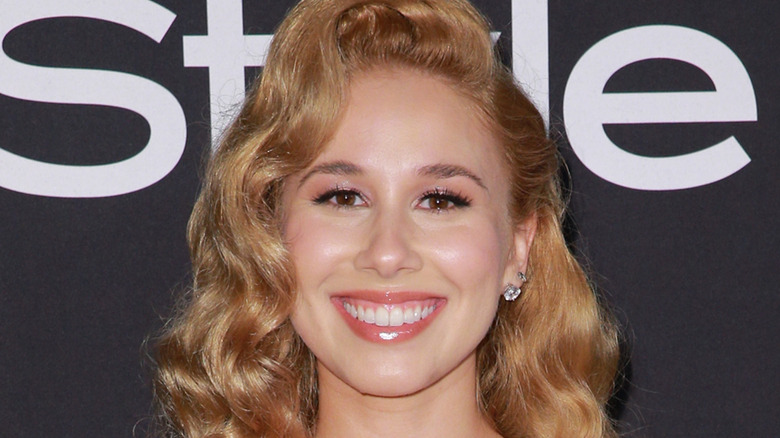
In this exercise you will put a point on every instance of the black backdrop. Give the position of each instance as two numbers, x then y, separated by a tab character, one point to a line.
685	250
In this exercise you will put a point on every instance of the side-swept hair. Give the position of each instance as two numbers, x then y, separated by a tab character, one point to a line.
230	363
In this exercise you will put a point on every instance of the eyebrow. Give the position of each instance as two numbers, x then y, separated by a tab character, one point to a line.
438	171
332	168
443	171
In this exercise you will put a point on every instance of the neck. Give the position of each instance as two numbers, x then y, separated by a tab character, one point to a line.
447	408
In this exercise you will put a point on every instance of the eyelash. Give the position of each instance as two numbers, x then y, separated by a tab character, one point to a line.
458	200
326	197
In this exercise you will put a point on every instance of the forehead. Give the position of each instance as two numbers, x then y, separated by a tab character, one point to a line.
399	120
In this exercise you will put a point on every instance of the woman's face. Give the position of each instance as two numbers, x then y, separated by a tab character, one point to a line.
401	237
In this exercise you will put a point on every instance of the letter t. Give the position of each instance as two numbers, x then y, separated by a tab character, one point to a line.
225	51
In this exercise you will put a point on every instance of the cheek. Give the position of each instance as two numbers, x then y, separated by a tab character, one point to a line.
315	244
473	256
314	247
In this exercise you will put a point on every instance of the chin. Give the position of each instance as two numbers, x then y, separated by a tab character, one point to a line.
388	378
394	385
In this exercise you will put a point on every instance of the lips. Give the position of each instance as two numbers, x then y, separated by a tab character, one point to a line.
387	316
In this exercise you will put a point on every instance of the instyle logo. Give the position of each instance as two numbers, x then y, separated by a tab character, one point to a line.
225	50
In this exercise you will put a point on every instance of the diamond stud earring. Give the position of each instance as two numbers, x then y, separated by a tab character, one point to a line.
511	292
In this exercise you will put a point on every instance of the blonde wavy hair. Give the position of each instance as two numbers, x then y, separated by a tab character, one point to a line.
230	363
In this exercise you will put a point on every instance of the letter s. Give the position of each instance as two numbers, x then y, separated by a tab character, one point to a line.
168	130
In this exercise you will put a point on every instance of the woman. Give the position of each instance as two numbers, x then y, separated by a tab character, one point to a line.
377	248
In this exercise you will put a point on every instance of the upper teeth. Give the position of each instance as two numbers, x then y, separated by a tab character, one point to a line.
393	317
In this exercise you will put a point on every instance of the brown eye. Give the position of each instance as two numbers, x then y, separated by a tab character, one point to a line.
341	198
441	200
439	203
345	199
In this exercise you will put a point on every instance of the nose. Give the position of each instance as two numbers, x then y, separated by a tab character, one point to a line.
389	247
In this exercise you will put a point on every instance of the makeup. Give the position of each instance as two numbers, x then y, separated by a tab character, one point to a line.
378	316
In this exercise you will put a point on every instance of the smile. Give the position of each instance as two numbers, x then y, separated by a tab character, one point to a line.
393	315
388	317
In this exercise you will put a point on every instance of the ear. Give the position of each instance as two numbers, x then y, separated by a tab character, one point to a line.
523	237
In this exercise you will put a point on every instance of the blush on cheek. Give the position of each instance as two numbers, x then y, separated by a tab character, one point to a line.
319	247
474	250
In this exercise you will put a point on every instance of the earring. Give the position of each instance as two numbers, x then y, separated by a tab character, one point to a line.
511	292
